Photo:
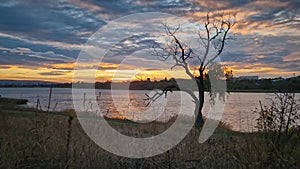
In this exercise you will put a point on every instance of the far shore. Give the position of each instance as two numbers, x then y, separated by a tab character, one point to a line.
229	91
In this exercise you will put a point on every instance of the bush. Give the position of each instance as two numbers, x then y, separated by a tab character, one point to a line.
281	117
279	125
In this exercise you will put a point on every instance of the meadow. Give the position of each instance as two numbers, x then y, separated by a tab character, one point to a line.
40	139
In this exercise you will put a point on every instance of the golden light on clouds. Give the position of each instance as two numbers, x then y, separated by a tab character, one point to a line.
35	73
244	23
295	56
265	39
139	74
257	69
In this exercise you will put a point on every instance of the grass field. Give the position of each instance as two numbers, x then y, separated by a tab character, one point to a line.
46	140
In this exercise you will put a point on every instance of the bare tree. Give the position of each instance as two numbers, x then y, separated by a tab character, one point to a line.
212	41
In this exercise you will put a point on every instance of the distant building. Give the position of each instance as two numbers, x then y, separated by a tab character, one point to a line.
248	78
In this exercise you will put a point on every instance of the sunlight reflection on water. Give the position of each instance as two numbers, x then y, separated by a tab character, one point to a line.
238	106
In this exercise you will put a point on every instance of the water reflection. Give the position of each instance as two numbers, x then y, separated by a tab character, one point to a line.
238	108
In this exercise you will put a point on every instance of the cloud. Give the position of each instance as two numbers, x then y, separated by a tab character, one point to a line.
53	73
5	66
132	44
59	21
8	3
44	56
15	41
294	56
35	34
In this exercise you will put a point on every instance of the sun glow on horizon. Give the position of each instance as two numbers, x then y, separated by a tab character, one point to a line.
63	73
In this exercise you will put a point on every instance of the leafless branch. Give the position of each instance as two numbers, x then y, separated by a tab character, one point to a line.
158	94
212	40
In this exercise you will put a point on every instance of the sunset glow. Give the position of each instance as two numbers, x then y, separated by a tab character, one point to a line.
44	45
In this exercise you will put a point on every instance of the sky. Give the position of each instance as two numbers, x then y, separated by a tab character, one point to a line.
41	40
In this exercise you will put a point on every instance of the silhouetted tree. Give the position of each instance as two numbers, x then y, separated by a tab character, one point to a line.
212	41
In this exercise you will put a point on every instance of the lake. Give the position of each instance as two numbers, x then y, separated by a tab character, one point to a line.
238	111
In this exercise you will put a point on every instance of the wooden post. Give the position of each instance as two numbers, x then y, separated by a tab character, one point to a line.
84	99
68	144
98	97
49	101
37	103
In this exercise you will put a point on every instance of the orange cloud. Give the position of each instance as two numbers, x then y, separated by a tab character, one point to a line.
258	69
295	56
33	73
244	24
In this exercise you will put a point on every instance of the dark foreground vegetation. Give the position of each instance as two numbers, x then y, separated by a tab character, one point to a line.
31	139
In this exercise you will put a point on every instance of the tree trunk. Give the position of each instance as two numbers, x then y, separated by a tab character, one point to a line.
200	84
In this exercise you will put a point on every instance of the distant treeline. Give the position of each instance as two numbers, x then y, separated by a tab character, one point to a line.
233	84
274	84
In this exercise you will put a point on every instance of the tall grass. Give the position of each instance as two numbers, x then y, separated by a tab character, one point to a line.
48	140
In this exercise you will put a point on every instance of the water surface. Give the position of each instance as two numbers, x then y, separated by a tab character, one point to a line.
238	111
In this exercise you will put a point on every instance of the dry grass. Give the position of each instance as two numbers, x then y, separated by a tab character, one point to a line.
53	140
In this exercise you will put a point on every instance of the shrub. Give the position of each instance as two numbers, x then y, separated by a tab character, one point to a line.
281	117
279	125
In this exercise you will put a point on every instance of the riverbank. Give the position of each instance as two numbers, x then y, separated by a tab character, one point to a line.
35	139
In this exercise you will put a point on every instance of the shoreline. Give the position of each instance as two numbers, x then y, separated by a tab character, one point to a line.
12	106
228	91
